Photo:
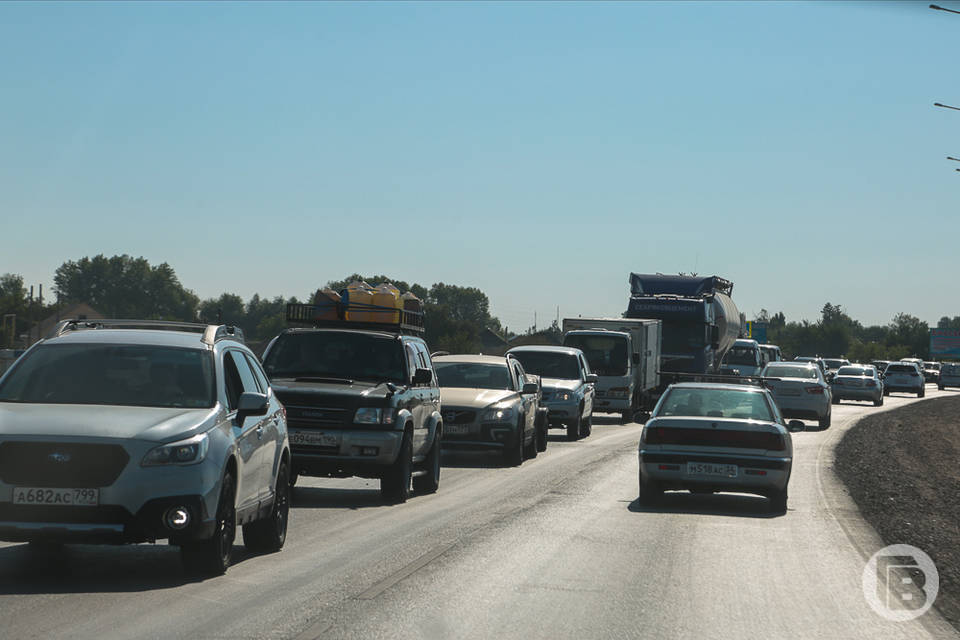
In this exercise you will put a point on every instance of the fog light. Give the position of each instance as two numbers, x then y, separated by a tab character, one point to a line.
177	518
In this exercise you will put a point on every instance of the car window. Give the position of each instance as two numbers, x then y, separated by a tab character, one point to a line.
112	374
412	361
258	373
715	403
853	371
520	375
790	371
239	378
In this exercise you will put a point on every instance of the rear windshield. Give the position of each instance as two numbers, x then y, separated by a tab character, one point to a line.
549	364
472	375
334	354
742	355
132	375
790	371
715	403
901	368
607	355
835	364
854	371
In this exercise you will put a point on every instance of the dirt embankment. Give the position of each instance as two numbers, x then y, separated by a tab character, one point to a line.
902	468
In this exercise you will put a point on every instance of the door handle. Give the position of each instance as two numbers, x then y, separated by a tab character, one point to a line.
259	433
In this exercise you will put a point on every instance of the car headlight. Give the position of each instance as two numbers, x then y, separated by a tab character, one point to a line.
498	414
371	415
190	451
619	392
562	396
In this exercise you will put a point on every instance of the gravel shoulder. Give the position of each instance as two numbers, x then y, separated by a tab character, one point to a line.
902	468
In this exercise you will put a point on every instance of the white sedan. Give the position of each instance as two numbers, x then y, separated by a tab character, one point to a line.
708	438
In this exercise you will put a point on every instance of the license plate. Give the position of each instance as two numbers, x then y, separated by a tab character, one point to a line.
457	429
315	438
56	497
711	469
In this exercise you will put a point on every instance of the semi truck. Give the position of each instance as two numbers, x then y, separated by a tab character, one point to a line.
700	320
625	355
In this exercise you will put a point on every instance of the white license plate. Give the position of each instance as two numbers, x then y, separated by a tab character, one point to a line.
711	469
315	438
457	429
56	497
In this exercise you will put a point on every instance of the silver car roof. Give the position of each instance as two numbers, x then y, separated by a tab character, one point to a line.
182	339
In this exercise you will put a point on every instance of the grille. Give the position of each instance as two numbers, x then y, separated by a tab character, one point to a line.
716	438
307	417
459	416
67	465
106	514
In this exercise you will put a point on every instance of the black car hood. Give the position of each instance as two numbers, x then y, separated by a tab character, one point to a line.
353	393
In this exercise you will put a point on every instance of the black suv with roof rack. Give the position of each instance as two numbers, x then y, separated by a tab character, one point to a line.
362	400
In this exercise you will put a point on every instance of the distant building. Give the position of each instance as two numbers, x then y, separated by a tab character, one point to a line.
545	337
77	311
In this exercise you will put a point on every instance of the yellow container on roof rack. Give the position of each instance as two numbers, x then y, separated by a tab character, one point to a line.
387	304
358	302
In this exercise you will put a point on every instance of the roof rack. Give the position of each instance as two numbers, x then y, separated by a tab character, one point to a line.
330	316
211	332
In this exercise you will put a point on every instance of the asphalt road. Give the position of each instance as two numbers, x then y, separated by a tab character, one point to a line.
557	548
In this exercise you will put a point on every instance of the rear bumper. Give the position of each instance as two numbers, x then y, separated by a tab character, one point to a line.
810	407
755	474
857	393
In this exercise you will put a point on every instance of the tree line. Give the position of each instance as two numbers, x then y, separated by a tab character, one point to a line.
455	316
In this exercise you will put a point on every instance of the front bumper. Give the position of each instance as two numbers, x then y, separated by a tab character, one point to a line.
363	453
562	410
755	474
478	437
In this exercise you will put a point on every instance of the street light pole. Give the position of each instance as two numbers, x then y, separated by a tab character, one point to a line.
946	106
933	6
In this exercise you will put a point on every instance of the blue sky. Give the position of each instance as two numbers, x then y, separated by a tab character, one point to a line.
539	151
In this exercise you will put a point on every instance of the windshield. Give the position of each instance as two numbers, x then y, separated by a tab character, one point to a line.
932	365
132	375
715	403
951	369
790	371
548	364
334	354
854	371
742	355
681	337
607	355
835	364
472	375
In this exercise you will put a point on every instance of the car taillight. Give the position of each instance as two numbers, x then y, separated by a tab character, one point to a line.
814	390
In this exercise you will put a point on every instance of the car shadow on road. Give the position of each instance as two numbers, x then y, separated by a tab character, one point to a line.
472	459
717	504
335	498
27	570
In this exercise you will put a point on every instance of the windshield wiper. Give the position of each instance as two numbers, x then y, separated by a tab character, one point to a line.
323	379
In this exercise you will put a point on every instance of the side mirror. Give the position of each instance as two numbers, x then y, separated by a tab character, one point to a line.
529	388
795	425
423	376
592	378
635	358
251	404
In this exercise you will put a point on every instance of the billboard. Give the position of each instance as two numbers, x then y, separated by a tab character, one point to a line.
945	343
756	331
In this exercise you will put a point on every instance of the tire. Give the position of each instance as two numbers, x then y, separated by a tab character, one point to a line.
430	482
878	402
886	391
824	422
940	387
293	478
395	482
530	450
573	429
836	400
921	393
269	534
778	501
650	492
542	435
212	557
626	417
513	454
586	426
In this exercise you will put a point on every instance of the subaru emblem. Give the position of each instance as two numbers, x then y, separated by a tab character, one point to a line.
59	457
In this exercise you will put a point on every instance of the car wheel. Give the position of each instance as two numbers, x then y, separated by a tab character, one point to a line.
395	483
886	392
293	478
269	534
626	417
778	501
212	556
513	454
542	435
921	393
824	422
430	481
836	399
573	429
878	402
586	426
530	450
650	492
940	387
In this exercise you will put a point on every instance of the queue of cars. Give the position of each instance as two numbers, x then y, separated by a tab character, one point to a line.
120	431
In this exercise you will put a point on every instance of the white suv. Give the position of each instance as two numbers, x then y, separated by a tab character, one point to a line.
134	431
903	376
